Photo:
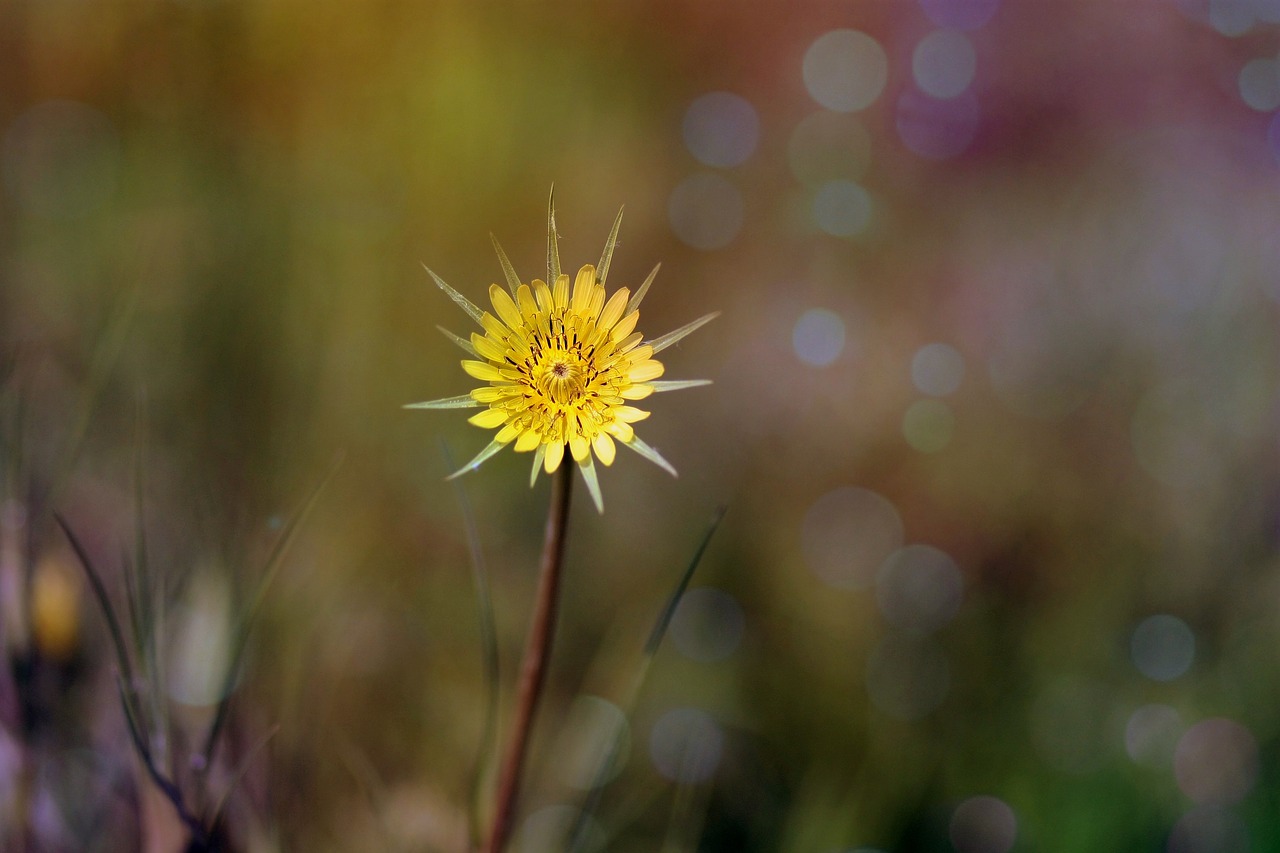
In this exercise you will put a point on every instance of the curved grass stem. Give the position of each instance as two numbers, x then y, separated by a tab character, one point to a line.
537	652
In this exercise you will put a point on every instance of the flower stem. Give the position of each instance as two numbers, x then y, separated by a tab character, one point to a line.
537	652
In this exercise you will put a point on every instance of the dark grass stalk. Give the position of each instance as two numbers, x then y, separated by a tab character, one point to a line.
537	652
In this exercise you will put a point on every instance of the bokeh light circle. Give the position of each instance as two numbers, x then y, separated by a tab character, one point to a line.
934	128
1209	829
919	589
1273	136
983	825
818	337
721	129
960	14
685	745
907	678
842	208
1151	735
1216	762
1231	18
928	425
592	727
705	211
845	70
847	534
1259	84
547	830
827	146
708	625
944	64
937	369
1163	647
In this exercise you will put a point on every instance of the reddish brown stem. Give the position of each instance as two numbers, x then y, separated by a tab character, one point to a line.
537	652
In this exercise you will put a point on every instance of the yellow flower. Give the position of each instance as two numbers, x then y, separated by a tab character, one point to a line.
562	365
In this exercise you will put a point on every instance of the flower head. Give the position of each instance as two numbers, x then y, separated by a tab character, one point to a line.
562	364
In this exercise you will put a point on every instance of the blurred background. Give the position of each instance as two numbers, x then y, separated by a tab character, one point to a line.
995	418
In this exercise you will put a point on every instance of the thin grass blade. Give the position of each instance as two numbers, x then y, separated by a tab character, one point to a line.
463	302
104	604
241	639
485	751
661	343
150	593
602	269
577	835
103	361
171	791
215	814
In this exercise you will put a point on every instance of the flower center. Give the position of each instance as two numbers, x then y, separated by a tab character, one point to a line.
561	377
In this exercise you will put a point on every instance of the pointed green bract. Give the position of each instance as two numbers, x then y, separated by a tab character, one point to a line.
463	401
463	302
538	456
652	455
602	269
588	468
492	448
644	288
508	271
661	343
460	341
660	385
553	239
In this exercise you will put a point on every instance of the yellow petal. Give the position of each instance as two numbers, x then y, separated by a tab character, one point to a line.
542	294
636	392
494	327
596	302
629	414
626	325
628	343
560	294
579	447
582	286
641	353
494	393
527	441
487	348
506	308
481	370
604	447
612	311
489	418
555	452
525	301
622	432
508	432
645	370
